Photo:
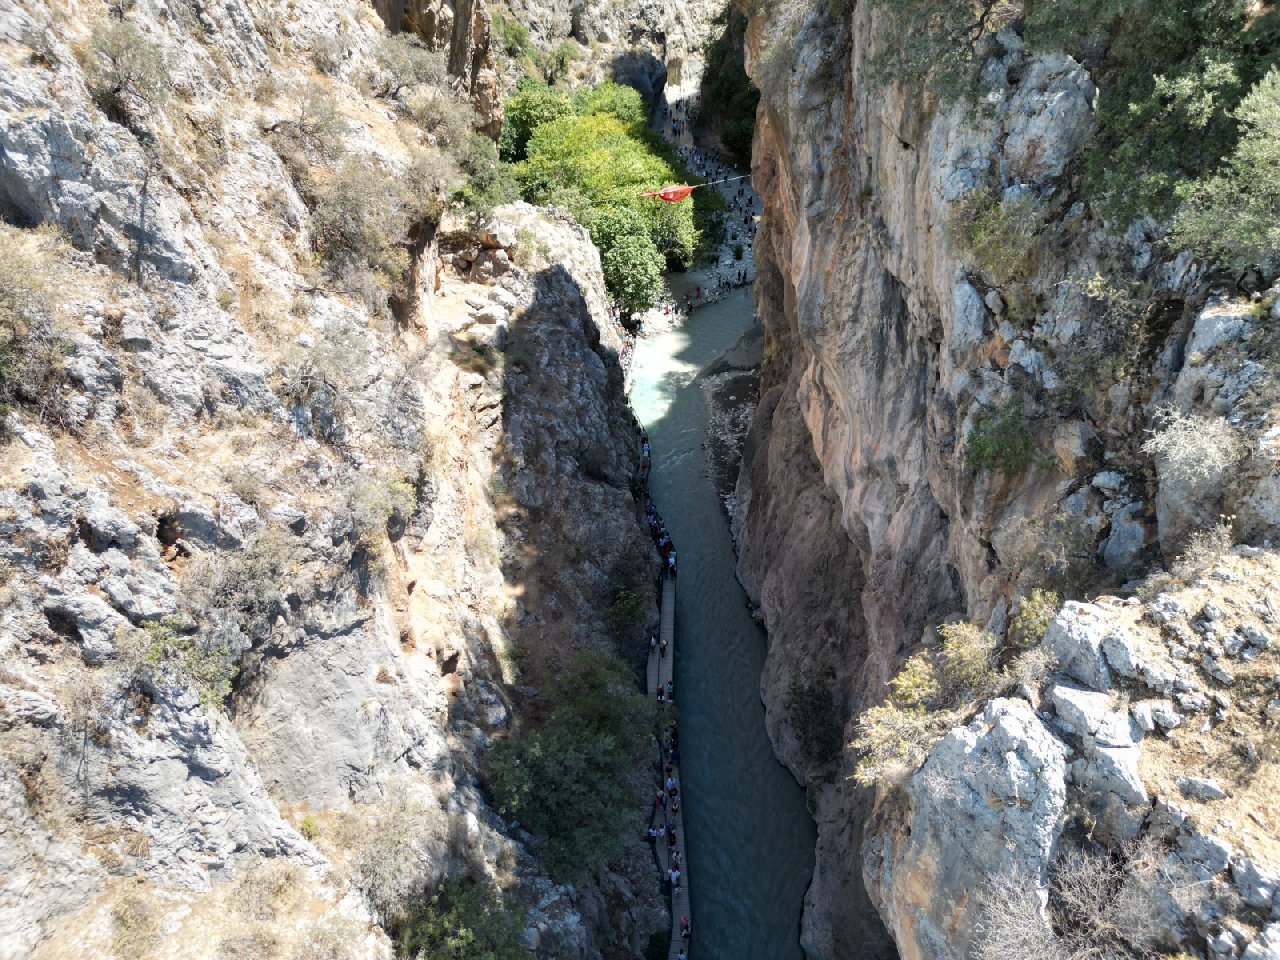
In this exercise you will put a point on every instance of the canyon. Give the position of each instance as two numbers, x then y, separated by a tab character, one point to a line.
394	497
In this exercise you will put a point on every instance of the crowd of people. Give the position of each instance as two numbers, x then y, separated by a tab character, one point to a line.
662	828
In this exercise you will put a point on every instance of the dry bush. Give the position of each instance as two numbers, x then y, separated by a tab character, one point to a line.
393	855
1030	669
124	68
333	939
1193	450
1102	905
378	499
1204	548
1054	552
135	924
256	943
261	893
1013	924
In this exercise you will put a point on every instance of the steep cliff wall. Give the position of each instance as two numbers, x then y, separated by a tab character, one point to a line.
656	47
863	521
268	548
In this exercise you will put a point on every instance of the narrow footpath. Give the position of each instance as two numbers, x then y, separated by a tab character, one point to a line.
667	812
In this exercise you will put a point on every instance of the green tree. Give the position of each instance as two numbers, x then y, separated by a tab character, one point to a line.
532	104
615	99
567	782
1234	217
633	272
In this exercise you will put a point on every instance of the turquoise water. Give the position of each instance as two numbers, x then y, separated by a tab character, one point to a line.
750	838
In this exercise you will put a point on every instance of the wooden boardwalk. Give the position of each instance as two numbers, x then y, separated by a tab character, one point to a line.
660	670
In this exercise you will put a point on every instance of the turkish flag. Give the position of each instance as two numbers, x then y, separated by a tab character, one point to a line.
672	194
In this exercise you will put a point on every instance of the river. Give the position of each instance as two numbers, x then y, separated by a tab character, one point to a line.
750	838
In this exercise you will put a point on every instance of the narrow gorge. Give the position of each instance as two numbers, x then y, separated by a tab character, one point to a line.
357	391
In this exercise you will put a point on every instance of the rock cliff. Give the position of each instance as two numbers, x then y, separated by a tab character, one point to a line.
864	515
278	561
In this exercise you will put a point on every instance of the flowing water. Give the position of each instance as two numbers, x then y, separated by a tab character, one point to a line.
750	839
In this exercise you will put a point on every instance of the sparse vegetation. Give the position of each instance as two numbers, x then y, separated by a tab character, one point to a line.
125	69
997	233
811	711
395	853
463	920
1113	331
172	651
250	584
1194	451
1055	553
1001	441
31	351
931	694
567	782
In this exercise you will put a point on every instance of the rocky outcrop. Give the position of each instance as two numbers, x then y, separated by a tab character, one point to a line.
462	30
656	47
885	347
1129	746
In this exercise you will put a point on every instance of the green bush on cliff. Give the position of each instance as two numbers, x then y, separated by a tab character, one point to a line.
568	781
1000	440
728	93
931	694
463	920
811	710
997	234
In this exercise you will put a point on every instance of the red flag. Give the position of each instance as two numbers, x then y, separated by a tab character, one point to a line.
671	194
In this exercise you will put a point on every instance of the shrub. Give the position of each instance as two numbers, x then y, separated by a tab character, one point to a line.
263	892
997	234
313	135
925	699
170	651
464	921
1034	614
967	662
378	499
1054	552
402	60
250	584
1192	450
359	220
1109	344
331	939
489	182
125	67
31	352
811	710
1203	549
1234	217
396	854
626	612
567	782
309	827
450	122
1001	441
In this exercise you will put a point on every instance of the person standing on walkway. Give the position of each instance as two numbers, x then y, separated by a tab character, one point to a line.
662	648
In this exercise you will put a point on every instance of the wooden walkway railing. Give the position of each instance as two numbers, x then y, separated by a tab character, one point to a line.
659	671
